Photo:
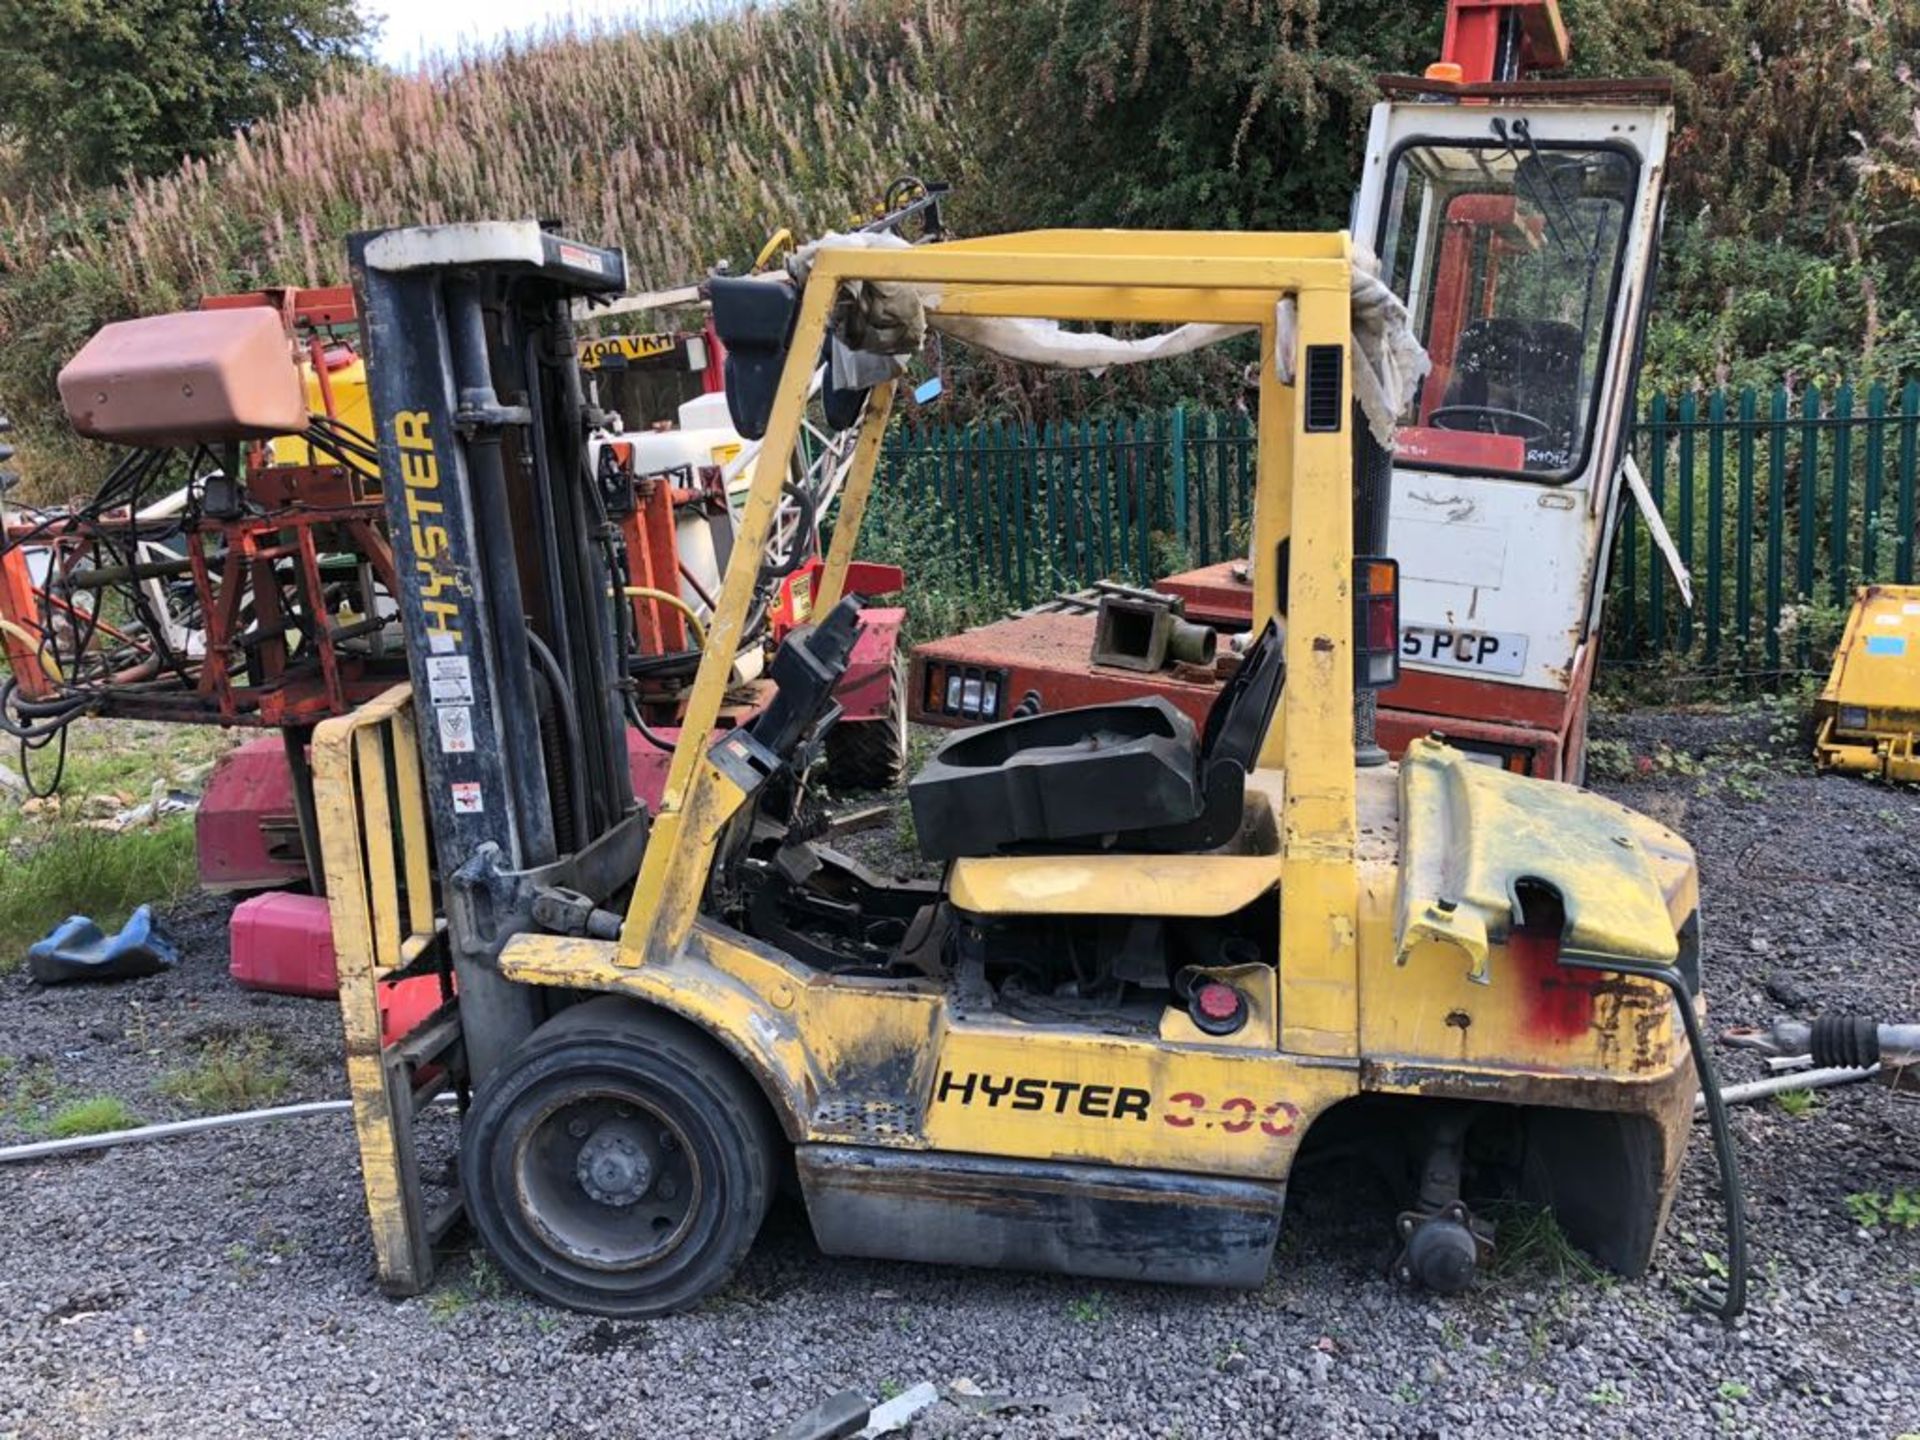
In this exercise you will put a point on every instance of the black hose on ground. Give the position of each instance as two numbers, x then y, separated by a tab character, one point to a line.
1732	1194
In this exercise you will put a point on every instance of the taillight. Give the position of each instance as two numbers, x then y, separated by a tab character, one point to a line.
1376	622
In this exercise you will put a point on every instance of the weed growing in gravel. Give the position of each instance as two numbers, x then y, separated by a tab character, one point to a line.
1530	1242
483	1283
94	1116
1734	1390
1088	1309
1873	1210
890	1389
1797	1102
1605	1393
32	1094
231	1074
448	1303
485	1277
1609	760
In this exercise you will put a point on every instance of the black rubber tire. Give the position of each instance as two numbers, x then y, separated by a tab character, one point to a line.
729	1136
872	754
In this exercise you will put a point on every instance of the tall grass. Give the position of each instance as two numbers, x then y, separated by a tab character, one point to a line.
685	144
76	870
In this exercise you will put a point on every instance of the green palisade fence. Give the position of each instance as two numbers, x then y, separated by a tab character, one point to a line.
1780	503
1042	508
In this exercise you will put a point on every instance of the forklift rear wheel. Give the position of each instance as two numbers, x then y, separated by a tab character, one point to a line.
618	1162
872	754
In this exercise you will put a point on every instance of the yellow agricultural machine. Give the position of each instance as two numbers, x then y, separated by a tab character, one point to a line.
1159	958
1867	720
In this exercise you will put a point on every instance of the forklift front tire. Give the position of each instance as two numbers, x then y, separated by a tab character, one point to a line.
618	1162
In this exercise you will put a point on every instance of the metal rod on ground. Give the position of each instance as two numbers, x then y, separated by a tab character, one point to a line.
76	1144
1779	1084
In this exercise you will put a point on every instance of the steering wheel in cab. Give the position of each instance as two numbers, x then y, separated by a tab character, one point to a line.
1489	420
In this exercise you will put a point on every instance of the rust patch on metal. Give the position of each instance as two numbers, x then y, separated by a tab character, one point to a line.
1650	1094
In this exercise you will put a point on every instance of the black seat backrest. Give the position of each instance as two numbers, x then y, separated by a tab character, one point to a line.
1237	720
1510	363
806	667
754	319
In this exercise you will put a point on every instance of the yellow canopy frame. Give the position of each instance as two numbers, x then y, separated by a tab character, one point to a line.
1303	497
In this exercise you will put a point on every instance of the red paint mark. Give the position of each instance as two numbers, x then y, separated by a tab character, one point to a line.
1558	1003
1241	1106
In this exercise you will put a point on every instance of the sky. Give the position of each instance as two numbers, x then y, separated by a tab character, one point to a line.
413	29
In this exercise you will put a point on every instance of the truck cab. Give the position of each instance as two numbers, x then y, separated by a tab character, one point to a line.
1521	235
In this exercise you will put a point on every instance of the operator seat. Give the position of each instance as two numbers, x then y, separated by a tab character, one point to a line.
1529	366
1130	776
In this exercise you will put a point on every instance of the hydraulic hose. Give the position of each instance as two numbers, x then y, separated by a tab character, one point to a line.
27	637
1732	1195
51	716
647	732
569	715
667	597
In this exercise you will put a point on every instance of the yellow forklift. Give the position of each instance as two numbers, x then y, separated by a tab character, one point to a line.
1160	957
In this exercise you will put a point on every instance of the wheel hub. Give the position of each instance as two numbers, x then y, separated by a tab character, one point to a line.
614	1167
607	1180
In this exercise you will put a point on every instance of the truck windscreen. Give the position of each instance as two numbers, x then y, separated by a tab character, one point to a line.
1508	255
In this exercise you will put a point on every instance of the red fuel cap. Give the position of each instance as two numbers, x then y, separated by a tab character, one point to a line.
1216	1008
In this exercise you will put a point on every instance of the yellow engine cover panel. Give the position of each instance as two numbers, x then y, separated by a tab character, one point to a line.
352	408
1131	884
1471	833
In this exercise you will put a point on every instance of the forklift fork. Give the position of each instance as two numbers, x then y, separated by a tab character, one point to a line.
375	846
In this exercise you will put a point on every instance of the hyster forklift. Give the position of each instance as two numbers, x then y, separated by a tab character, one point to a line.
1160	957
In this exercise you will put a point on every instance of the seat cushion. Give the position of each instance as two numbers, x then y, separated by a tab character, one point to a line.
1067	775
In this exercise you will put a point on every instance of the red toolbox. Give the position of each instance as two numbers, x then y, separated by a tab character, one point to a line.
284	943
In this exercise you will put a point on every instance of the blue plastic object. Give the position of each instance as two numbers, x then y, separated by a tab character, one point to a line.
79	950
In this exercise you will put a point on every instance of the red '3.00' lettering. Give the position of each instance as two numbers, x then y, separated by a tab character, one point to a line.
1287	1116
1278	1119
1187	1098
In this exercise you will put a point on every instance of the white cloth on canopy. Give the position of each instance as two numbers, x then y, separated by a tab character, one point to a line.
1388	359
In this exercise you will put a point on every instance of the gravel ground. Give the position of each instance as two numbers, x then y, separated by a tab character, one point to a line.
220	1286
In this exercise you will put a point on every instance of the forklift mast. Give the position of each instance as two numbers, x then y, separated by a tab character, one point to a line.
504	554
1498	40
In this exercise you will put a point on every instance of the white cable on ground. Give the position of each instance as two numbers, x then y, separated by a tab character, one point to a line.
43	1149
1779	1084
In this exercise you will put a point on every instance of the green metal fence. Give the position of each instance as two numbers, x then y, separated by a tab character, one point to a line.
1046	507
1779	503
